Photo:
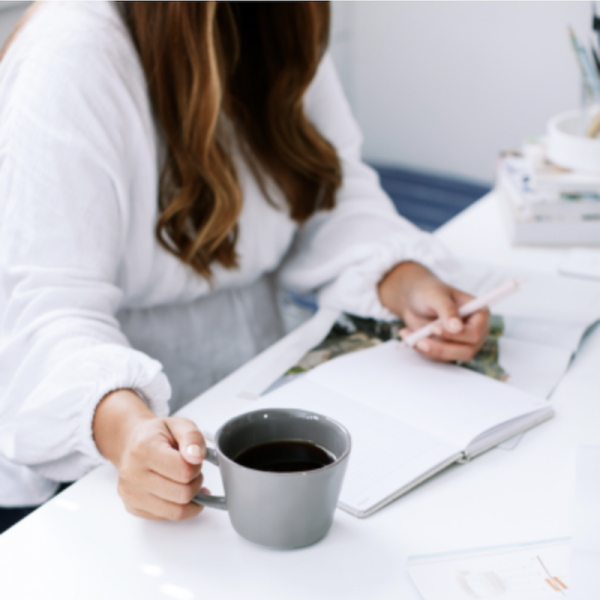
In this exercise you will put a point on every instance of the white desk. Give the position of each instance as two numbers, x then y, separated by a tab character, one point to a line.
83	545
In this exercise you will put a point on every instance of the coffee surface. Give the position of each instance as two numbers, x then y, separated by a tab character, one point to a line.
285	457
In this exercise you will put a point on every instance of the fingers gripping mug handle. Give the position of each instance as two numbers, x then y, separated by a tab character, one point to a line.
205	499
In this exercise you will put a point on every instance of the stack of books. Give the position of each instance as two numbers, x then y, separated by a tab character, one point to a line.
546	204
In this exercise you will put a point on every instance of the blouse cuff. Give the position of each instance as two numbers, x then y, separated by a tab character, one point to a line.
355	290
140	374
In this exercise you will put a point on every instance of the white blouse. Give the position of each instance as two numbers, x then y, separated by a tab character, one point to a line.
89	299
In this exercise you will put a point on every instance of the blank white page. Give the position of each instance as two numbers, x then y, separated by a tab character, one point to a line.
545	297
450	402
556	334
387	456
533	368
554	298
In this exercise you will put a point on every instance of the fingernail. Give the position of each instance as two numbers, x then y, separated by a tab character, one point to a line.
205	491
454	325
436	330
423	346
194	451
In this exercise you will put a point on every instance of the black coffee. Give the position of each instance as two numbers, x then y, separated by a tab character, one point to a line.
285	457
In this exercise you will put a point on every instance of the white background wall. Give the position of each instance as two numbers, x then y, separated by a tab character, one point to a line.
442	86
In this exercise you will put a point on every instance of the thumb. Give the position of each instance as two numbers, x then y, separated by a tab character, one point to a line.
190	441
446	308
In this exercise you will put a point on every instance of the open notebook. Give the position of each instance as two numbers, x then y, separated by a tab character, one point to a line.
408	417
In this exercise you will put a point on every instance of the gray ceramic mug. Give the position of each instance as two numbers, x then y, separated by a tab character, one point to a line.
280	510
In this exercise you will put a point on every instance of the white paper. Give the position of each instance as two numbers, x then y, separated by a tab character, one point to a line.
541	297
521	572
581	262
544	323
386	455
585	565
282	355
533	368
554	298
449	402
556	334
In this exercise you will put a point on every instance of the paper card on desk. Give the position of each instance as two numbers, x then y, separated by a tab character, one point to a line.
542	297
544	323
555	298
585	565
521	572
534	368
564	335
581	262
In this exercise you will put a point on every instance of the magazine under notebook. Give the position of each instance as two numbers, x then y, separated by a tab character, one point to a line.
408	417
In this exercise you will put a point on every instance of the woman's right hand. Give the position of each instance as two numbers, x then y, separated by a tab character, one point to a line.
159	459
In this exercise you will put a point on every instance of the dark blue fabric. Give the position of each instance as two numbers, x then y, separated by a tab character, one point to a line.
428	200
11	516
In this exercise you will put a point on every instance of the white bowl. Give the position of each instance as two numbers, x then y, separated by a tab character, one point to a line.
568	145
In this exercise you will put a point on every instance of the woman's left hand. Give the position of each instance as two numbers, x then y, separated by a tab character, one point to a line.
418	297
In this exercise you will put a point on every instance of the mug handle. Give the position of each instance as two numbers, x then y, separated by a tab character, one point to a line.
205	499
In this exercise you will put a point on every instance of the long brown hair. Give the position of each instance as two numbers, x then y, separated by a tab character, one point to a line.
213	68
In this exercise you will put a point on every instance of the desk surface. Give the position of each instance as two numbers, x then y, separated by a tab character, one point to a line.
82	544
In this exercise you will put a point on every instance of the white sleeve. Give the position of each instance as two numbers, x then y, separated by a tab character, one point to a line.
64	159
343	254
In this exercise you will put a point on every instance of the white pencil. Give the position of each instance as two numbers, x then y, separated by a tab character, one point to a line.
469	308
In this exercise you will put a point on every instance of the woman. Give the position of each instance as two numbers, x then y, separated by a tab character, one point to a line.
166	168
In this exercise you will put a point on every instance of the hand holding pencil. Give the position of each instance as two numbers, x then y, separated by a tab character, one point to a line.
467	309
420	299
